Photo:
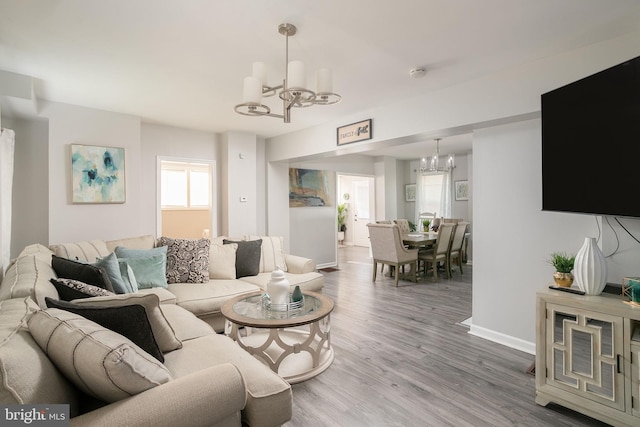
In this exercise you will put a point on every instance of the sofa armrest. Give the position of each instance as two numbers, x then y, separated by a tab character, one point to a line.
298	264
203	398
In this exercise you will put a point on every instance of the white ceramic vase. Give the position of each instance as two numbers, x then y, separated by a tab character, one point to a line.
590	268
278	290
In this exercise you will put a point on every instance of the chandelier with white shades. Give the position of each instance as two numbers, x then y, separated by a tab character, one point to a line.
293	91
432	164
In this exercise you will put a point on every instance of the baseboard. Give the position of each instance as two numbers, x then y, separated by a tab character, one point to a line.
326	265
500	338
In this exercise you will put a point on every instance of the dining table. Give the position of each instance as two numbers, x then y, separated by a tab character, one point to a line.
416	239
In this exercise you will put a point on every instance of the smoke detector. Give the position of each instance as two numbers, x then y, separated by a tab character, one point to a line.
417	73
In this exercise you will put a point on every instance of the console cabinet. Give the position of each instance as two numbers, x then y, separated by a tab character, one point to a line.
588	355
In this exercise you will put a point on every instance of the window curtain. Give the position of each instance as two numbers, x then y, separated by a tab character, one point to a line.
7	147
433	193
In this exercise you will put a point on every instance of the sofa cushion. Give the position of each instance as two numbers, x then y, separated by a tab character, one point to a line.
100	362
129	321
247	257
187	259
70	289
185	323
149	271
307	281
162	331
40	251
26	373
88	251
28	276
222	261
271	253
165	296
269	397
207	298
138	242
87	273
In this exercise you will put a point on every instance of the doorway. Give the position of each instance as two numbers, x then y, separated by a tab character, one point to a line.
186	195
358	193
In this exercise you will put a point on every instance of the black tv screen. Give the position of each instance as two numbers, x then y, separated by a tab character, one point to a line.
591	144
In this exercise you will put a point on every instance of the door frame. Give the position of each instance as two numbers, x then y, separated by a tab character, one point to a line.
340	186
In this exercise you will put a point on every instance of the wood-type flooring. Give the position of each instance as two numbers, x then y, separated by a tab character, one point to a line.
403	358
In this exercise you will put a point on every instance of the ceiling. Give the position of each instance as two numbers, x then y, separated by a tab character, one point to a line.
182	63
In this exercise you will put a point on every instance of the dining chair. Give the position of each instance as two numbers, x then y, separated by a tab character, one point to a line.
455	253
431	216
403	224
383	221
439	252
387	249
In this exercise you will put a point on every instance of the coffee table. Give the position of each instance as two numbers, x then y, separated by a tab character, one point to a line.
296	344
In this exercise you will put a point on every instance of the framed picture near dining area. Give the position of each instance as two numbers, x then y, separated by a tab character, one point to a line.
410	192
462	190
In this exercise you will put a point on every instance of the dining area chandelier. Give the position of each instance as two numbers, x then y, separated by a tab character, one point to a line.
293	91
433	164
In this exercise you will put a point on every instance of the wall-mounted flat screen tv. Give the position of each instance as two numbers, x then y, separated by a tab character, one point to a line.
591	144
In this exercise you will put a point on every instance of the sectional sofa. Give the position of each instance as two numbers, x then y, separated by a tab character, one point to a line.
54	351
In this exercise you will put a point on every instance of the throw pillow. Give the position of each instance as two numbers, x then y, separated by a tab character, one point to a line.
271	253
81	271
98	361
162	331
128	277
247	257
112	268
129	321
187	260
70	289
222	261
150	271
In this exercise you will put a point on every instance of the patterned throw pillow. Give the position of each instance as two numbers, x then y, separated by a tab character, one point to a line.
187	260
70	289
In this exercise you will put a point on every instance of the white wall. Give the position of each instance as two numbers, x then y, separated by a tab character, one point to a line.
68	125
30	204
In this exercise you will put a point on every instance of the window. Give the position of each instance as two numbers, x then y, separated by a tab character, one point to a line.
433	194
185	185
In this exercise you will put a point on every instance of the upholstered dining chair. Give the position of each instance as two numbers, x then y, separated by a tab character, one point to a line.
403	224
440	251
383	221
455	253
387	248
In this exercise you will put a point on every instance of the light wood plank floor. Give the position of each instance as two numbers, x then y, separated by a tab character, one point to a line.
402	358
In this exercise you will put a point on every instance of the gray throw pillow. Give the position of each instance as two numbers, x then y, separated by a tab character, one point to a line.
247	257
129	321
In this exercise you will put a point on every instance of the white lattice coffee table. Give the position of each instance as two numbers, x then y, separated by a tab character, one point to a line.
296	344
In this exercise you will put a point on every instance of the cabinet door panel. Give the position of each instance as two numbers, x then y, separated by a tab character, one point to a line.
583	356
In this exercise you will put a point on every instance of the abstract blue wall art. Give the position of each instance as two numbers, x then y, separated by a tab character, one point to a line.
97	174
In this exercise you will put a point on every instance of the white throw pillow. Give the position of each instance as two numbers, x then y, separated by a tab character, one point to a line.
162	331
272	253
98	361
222	261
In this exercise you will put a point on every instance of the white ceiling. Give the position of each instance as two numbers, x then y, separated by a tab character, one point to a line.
182	62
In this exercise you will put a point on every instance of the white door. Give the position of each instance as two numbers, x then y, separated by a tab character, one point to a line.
363	212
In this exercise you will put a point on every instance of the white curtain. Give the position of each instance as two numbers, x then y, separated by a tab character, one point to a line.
433	194
7	147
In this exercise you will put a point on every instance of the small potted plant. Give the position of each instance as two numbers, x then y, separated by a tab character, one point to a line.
425	225
563	263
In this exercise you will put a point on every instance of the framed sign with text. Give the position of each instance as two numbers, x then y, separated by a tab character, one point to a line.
355	132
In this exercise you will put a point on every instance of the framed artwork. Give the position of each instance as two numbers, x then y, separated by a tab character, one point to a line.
311	188
97	174
462	190
355	132
410	193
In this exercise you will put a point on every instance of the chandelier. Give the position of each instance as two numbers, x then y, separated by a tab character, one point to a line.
293	91
432	164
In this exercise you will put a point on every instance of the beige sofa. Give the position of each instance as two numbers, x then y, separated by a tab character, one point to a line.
207	379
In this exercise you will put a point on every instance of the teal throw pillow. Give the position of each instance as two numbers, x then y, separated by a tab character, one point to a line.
149	271
128	276
123	252
112	268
